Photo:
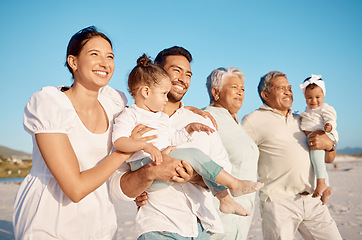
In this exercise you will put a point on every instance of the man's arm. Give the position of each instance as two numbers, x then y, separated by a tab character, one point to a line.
319	140
136	182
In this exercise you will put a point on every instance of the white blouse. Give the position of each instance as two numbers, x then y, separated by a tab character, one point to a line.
42	210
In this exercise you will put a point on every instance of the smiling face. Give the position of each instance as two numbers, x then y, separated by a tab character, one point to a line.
280	96
179	70
314	96
94	66
157	96
231	95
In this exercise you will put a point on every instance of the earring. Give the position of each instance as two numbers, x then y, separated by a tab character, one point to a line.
216	98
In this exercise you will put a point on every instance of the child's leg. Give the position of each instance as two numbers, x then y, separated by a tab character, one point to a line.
317	158
229	206
237	187
208	169
157	184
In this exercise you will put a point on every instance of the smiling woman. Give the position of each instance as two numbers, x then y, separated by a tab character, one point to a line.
71	130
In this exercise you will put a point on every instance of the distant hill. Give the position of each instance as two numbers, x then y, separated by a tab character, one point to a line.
349	151
8	152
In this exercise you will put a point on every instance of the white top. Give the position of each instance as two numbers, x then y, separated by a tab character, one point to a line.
42	210
284	165
315	119
243	155
177	207
167	135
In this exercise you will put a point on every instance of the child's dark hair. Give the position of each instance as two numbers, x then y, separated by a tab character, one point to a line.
79	39
145	73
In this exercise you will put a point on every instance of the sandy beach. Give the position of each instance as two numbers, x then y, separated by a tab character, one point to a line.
345	204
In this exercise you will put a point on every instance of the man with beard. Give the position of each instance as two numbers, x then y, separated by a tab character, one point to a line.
183	210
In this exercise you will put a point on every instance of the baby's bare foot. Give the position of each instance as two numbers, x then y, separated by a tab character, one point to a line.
319	190
245	187
229	206
326	194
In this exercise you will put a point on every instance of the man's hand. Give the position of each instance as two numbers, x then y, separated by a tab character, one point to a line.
320	141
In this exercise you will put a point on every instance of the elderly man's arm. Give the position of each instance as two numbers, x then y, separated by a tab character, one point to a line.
320	140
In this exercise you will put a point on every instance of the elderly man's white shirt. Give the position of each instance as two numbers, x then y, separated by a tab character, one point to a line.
177	207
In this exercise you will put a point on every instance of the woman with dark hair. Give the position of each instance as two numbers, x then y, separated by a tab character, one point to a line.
65	196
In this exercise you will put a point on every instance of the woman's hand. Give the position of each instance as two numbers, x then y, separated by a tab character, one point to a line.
198	127
139	130
203	114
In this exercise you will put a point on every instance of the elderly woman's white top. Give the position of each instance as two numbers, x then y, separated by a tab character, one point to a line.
42	210
243	155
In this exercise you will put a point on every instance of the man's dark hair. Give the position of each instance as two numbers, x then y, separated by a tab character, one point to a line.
160	59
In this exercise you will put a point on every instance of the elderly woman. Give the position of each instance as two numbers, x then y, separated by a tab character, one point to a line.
226	91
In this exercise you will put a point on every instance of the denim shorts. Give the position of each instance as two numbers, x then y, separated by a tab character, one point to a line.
203	235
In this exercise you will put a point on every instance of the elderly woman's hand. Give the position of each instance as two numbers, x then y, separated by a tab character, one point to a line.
203	114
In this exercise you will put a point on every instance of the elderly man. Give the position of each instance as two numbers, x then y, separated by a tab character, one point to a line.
284	166
183	210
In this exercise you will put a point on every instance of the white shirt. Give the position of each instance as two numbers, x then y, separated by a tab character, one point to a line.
41	209
176	208
167	135
315	119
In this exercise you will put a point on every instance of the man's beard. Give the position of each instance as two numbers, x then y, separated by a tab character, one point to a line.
174	97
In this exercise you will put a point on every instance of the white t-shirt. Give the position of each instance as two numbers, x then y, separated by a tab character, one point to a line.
167	135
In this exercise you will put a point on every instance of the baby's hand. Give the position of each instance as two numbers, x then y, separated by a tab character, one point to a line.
154	152
198	127
328	127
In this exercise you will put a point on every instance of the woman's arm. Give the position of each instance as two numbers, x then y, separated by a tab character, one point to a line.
62	162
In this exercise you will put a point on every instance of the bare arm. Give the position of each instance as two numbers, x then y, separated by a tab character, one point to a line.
202	113
130	145
320	140
62	162
136	182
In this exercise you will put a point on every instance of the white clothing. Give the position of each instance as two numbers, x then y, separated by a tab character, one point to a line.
243	155
315	119
42	210
167	135
284	166
176	208
285	169
282	219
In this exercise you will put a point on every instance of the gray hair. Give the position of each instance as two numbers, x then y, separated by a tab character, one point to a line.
217	78
265	85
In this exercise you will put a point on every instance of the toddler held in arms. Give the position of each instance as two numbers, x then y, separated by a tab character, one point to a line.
318	116
149	86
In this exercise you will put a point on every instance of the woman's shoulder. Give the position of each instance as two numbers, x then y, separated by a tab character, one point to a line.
48	110
114	100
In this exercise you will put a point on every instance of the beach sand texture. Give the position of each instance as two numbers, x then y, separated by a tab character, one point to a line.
345	204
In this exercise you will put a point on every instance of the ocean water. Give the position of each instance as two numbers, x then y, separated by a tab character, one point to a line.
7	180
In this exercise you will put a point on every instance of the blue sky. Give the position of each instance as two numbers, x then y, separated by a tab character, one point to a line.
298	38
